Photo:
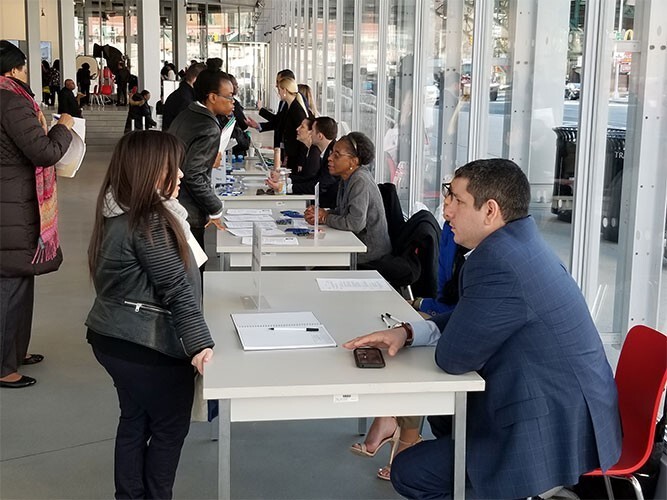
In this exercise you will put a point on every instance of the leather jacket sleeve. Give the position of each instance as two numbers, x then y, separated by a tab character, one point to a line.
196	177
159	257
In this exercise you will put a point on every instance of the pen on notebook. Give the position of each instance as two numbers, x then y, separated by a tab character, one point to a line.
295	329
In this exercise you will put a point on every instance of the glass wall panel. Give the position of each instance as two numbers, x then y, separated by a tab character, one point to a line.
332	58
195	33
400	62
316	84
347	60
442	103
662	311
369	68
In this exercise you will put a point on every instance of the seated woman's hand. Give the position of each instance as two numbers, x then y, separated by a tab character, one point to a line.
393	340
275	185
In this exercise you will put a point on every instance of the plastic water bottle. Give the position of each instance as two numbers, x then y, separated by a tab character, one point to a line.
283	181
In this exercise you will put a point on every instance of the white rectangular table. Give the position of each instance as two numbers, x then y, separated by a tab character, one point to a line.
278	201
336	249
322	383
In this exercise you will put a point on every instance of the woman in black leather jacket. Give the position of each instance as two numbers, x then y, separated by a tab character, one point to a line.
146	326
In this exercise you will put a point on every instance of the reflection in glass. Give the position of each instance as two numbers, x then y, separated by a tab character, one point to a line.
400	64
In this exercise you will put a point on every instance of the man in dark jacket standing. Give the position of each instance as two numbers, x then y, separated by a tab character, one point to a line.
67	103
122	81
198	127
182	96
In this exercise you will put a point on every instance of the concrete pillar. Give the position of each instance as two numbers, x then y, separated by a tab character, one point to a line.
67	48
179	22
34	53
148	23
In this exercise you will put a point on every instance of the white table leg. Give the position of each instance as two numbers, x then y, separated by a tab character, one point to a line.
224	450
459	433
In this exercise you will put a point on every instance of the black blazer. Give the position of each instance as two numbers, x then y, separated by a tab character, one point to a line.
177	101
305	177
328	183
295	151
67	103
274	122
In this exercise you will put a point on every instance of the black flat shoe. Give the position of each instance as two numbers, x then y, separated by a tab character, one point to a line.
33	359
24	381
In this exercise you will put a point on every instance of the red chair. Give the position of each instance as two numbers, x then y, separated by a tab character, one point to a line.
640	377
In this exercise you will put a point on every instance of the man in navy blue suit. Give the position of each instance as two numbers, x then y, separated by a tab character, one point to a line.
550	411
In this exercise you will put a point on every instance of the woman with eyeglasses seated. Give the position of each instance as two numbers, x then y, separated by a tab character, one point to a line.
359	206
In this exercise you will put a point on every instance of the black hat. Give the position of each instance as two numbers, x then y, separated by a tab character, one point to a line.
10	57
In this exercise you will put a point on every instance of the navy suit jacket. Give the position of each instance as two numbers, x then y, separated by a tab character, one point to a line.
550	409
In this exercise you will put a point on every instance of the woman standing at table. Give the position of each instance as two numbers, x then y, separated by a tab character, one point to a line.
295	151
146	326
359	206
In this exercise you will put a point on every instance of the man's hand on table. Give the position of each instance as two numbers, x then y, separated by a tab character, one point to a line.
393	340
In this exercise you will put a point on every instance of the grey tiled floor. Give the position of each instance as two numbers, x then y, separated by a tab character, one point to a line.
56	438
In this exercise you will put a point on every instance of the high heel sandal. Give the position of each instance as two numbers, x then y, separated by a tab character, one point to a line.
362	450
385	472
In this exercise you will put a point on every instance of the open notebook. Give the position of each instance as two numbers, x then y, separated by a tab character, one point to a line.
285	330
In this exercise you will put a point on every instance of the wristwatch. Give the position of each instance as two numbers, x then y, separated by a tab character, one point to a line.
411	334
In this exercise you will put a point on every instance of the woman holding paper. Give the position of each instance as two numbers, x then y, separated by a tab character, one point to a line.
359	206
146	325
29	243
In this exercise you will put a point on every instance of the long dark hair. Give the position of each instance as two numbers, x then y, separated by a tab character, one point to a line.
142	163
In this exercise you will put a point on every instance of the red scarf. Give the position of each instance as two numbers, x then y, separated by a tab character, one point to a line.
45	185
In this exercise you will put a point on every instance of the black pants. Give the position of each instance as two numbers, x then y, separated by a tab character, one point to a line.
155	408
121	94
16	304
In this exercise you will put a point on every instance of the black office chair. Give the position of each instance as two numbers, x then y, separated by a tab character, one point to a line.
412	266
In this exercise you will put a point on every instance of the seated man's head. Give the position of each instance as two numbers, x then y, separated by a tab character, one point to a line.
484	196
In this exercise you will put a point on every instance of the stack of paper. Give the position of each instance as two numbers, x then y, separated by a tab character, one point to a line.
286	330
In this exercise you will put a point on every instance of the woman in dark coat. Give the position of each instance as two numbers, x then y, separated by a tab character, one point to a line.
29	242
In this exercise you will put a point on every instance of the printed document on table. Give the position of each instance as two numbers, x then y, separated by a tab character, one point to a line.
353	285
249	218
249	211
286	241
248	225
293	330
243	232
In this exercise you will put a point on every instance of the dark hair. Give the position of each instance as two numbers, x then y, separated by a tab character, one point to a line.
10	57
214	63
285	73
145	92
360	146
193	71
136	172
208	82
310	120
45	64
56	64
327	126
500	180
85	65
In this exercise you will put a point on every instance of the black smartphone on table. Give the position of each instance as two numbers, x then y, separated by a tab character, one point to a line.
368	357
